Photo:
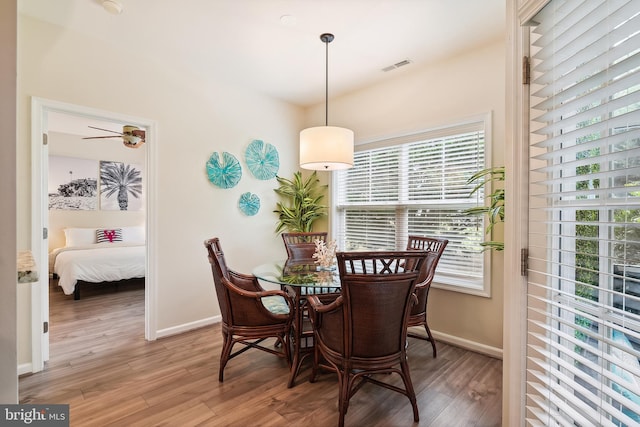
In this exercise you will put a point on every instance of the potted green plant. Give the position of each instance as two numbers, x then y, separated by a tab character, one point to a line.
495	209
302	205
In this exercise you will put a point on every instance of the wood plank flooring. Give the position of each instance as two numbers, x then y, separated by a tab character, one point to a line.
103	368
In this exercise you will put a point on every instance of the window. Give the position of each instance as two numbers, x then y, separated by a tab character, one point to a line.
583	296
417	184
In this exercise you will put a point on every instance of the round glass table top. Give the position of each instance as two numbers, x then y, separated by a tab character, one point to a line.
297	273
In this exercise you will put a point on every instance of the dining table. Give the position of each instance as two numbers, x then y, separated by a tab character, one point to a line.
300	278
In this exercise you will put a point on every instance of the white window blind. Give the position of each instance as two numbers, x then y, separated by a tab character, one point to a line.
583	296
417	184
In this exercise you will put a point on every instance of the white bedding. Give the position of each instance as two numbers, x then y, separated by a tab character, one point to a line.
99	262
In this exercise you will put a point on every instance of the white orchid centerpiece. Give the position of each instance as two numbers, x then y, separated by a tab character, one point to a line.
325	253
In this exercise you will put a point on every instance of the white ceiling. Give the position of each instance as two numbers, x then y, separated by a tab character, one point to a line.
245	41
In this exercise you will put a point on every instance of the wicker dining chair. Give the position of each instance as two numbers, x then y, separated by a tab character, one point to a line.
418	316
301	246
250	314
363	332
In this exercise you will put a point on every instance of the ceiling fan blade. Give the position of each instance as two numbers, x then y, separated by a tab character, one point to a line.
101	137
106	130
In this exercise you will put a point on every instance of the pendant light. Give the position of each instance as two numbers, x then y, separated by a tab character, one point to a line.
326	147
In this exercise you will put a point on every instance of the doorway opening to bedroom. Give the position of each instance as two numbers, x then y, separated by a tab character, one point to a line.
93	209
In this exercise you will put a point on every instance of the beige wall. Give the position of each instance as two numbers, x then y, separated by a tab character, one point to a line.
438	95
198	115
8	276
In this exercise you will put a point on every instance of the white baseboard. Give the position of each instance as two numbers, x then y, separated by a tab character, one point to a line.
467	344
25	368
439	336
188	326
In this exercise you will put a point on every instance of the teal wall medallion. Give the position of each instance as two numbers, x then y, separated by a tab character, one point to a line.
249	204
225	172
262	159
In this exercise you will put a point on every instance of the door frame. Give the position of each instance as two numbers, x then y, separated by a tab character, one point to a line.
40	107
519	13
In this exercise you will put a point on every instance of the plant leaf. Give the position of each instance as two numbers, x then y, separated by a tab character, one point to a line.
301	205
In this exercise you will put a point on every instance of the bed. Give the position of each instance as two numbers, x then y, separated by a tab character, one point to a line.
98	256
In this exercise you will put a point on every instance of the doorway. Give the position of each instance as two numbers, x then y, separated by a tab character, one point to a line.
42	111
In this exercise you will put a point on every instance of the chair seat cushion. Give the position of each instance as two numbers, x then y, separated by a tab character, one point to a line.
275	304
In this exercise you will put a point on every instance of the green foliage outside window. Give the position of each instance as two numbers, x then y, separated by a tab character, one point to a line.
626	236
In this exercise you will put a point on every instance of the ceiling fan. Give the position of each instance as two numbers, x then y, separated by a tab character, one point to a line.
132	136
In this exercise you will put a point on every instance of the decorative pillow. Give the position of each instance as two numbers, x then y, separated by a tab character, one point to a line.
133	234
109	235
79	236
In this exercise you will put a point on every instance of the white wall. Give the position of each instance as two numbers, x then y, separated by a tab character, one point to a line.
196	116
420	99
8	275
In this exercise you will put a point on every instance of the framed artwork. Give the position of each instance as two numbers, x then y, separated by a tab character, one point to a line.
120	186
72	183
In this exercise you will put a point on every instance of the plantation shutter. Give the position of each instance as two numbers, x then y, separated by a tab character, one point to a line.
583	296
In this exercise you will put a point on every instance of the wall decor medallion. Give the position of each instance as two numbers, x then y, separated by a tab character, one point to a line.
224	172
262	159
249	204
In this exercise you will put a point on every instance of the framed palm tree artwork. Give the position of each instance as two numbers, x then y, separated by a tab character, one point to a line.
120	186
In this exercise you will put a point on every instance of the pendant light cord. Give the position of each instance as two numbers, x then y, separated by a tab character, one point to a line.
326	84
326	38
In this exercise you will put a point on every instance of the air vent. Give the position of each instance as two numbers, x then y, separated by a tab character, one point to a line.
396	65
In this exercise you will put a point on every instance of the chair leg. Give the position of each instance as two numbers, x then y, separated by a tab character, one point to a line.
433	342
314	366
411	394
227	344
429	337
344	384
287	347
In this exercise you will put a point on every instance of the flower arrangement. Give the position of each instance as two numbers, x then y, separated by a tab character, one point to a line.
325	253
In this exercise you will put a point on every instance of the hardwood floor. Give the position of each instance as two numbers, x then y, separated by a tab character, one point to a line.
103	368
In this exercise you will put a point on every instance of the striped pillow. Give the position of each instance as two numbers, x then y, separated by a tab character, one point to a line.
109	235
